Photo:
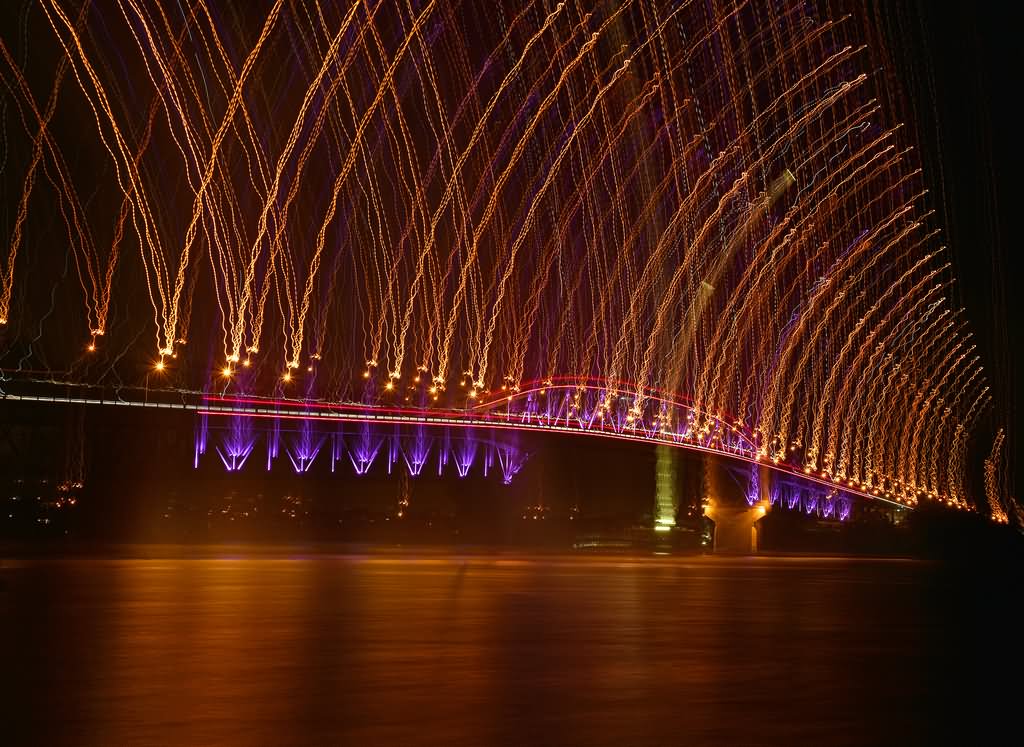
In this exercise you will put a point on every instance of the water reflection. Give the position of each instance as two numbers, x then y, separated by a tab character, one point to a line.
473	650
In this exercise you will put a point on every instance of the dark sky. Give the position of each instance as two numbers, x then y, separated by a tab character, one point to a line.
973	52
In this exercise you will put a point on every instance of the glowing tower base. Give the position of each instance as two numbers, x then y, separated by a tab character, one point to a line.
666	490
736	530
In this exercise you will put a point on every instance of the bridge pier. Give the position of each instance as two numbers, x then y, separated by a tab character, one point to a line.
736	529
666	491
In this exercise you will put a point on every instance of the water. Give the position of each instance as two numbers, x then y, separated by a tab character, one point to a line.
215	646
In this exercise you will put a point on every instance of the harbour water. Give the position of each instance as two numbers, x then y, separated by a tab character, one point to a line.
282	646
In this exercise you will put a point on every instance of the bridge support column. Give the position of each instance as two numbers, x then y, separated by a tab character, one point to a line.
726	504
666	488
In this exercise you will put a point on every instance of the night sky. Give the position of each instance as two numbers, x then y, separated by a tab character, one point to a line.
959	63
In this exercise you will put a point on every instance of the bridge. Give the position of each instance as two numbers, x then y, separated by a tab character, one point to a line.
695	227
358	435
547	407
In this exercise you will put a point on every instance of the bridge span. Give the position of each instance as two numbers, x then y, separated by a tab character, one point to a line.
572	410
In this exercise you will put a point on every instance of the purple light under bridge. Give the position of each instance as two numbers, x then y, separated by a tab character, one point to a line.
202	436
825	504
306	444
237	444
410	447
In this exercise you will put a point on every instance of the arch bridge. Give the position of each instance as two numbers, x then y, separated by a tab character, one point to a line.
234	425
